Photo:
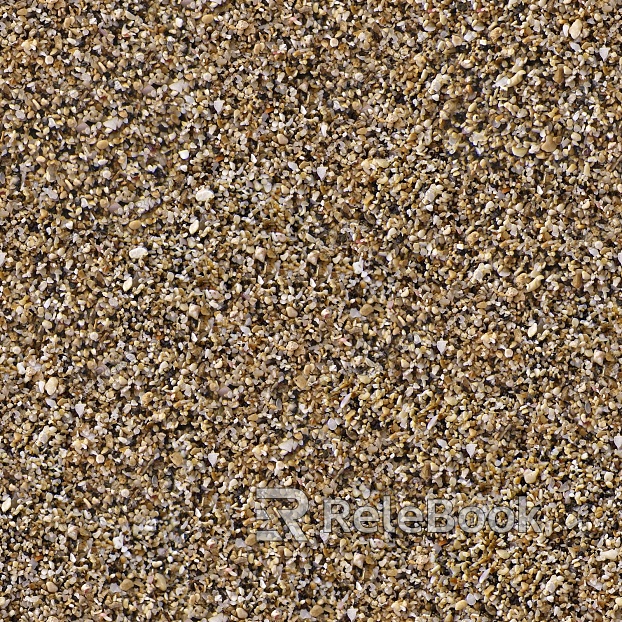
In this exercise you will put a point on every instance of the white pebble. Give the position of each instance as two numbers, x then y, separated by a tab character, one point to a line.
345	401
6	504
218	105
113	123
288	445
204	194
194	227
139	252
433	421
611	554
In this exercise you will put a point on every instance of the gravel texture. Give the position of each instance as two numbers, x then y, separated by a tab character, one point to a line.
353	248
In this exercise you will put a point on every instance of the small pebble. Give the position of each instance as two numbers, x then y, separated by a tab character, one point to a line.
302	382
550	144
316	611
126	584
51	385
530	476
610	554
366	310
177	459
575	29
204	194
139	252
